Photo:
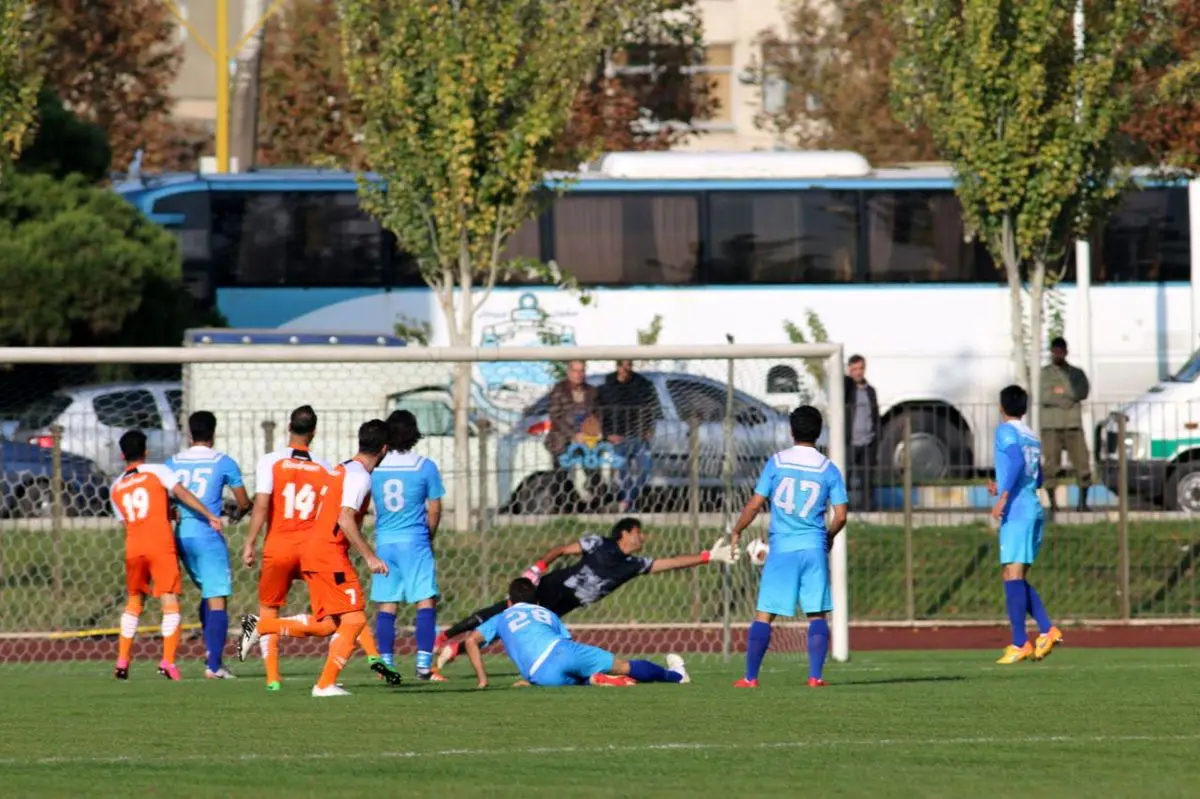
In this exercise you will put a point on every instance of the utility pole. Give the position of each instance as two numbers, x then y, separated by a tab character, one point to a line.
222	63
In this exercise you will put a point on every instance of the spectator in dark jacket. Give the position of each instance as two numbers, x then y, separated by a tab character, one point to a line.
628	406
862	430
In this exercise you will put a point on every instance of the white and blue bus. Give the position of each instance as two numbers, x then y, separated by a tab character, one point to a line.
716	244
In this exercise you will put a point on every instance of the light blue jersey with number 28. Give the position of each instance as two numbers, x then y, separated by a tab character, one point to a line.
400	486
800	484
529	633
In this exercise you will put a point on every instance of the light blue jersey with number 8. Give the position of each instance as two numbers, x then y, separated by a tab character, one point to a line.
799	485
400	486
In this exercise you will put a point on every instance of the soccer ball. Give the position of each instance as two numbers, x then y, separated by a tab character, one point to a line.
757	551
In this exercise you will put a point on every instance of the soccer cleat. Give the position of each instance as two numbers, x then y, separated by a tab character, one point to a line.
169	670
249	636
816	682
333	690
430	676
274	686
675	664
1015	654
447	653
121	672
612	680
386	672
220	674
744	683
1045	643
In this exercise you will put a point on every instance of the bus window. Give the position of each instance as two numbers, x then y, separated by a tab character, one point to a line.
783	237
193	238
1145	240
918	237
627	239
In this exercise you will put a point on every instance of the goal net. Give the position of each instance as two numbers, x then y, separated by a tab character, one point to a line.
560	443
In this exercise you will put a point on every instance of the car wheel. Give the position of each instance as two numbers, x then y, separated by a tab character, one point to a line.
544	493
34	501
1183	488
940	447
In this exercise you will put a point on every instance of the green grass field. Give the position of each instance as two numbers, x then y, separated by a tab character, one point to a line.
1085	723
78	583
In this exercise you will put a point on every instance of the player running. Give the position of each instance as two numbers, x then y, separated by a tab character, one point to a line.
141	498
800	484
334	591
1018	511
604	565
205	552
407	490
536	640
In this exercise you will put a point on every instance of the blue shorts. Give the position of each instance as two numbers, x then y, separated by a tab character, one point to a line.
206	560
795	578
411	577
1020	540
571	663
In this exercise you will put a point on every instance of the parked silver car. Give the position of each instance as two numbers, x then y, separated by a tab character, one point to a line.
94	417
534	483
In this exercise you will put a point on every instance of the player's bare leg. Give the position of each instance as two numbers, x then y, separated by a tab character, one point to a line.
341	647
129	625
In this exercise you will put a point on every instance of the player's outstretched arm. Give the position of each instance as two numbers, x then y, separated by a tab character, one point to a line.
348	521
258	520
534	573
192	501
471	643
753	507
721	552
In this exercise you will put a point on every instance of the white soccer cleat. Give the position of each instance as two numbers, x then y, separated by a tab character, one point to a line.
675	664
249	636
220	674
333	690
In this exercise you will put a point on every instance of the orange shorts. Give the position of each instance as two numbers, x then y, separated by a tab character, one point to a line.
334	593
161	569
276	578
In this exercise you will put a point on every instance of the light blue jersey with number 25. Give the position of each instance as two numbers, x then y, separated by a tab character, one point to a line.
800	484
400	486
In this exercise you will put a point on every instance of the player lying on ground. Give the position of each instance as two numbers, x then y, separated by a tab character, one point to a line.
539	644
141	497
604	565
204	551
1018	511
334	591
800	484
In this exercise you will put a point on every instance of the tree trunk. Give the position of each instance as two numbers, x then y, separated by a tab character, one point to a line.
462	392
1016	299
1037	292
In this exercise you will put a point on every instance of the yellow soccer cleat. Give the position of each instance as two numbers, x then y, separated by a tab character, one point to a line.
1045	643
1015	654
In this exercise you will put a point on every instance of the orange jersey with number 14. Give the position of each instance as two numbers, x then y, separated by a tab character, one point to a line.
294	481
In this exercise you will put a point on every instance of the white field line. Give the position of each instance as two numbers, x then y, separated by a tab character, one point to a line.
159	761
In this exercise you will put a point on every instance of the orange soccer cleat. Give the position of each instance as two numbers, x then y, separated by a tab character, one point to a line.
744	683
613	680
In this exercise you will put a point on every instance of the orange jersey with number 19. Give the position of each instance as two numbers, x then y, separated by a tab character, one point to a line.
141	497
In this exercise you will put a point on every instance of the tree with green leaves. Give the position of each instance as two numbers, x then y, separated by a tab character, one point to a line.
19	77
464	103
1032	128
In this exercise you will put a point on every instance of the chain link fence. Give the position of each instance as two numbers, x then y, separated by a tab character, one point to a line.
553	451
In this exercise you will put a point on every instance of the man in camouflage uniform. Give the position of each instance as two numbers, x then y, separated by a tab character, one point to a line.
1064	388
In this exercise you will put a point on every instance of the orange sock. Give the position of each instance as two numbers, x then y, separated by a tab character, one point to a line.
297	627
171	632
341	648
129	625
366	639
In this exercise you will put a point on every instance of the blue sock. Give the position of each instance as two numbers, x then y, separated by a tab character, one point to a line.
385	636
216	629
426	634
204	614
1037	609
646	671
757	641
818	646
1014	597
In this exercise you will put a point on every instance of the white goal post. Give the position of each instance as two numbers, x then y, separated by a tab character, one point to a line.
233	378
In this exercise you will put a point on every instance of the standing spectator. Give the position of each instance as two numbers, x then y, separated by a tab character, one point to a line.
1064	388
628	405
862	429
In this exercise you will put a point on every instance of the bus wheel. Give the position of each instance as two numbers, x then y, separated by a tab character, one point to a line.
940	447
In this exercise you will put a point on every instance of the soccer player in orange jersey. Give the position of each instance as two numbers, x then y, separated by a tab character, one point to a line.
334	590
141	497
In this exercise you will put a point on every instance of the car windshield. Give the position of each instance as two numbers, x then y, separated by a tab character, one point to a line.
44	411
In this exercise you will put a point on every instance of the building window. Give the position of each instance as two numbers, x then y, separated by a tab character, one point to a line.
677	84
712	83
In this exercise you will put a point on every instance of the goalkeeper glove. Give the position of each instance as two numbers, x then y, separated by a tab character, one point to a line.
722	552
534	573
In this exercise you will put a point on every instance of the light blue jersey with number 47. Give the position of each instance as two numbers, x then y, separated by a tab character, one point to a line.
800	484
400	486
